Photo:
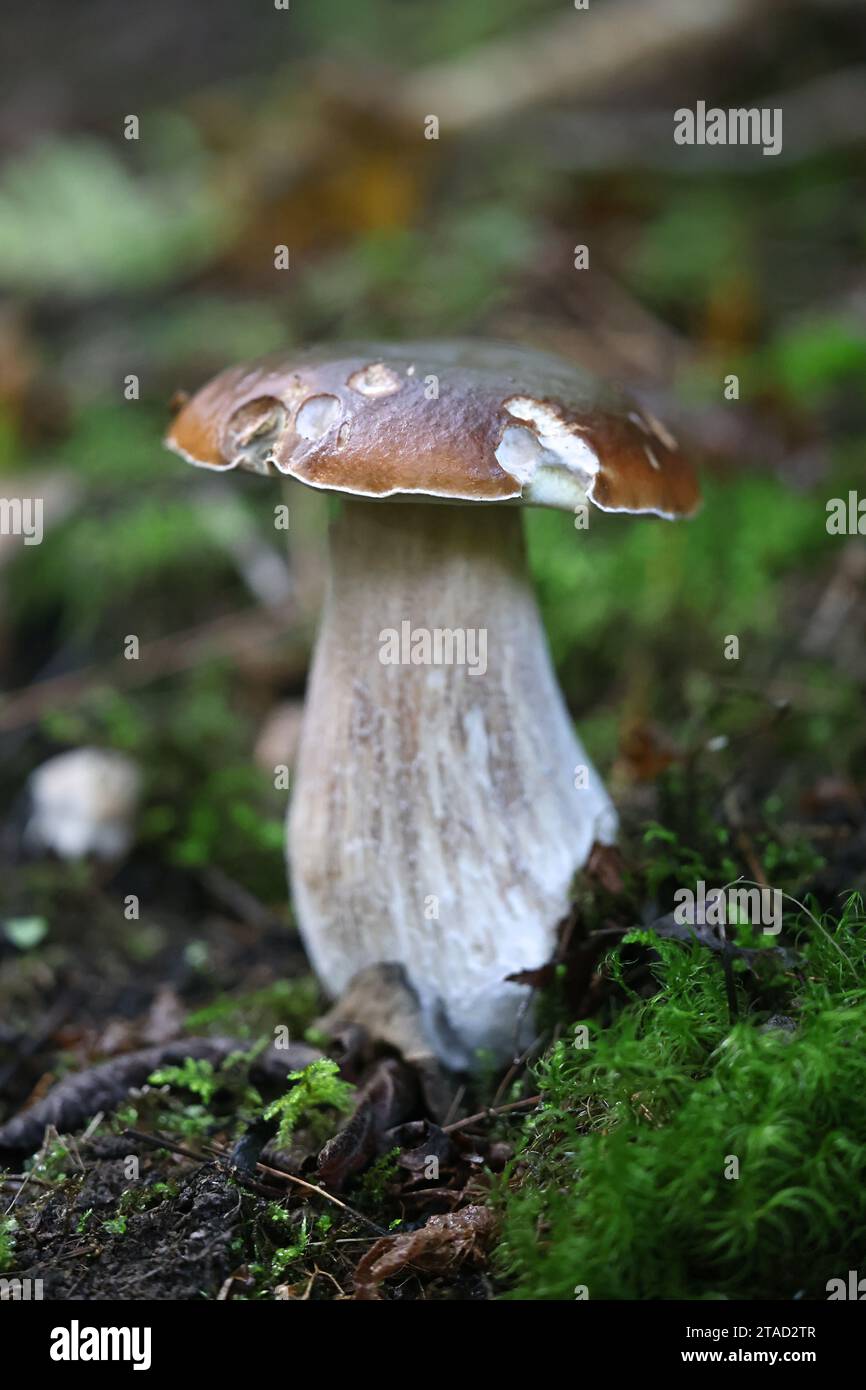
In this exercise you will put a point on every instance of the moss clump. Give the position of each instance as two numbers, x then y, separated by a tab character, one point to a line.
318	1085
626	1179
224	1095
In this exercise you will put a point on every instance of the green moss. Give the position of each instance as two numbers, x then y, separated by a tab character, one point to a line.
619	584
288	1255
196	1074
382	1171
625	1178
51	1164
225	1096
115	1226
141	1198
701	849
292	1004
8	1229
316	1086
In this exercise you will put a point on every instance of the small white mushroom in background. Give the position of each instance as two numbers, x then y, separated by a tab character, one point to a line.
83	804
437	821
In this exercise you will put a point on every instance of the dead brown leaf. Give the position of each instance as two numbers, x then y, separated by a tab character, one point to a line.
388	1097
444	1241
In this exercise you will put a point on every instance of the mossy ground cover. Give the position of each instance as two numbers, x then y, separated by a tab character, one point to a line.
675	1155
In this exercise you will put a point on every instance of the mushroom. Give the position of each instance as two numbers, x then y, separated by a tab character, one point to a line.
84	803
442	802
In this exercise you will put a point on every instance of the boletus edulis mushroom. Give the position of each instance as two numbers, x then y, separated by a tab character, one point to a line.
442	801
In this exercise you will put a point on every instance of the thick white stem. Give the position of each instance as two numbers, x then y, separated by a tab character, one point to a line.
435	818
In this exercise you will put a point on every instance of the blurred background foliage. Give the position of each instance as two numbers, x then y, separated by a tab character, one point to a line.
155	257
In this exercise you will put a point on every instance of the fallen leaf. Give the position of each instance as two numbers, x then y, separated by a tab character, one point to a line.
387	1098
455	1238
539	977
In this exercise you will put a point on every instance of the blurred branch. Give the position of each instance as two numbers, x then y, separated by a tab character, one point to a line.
724	440
579	54
593	319
232	635
827	113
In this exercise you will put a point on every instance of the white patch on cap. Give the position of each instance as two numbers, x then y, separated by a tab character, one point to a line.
375	380
317	416
519	453
547	455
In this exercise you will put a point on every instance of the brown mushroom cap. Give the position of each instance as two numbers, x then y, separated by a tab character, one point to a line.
464	421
